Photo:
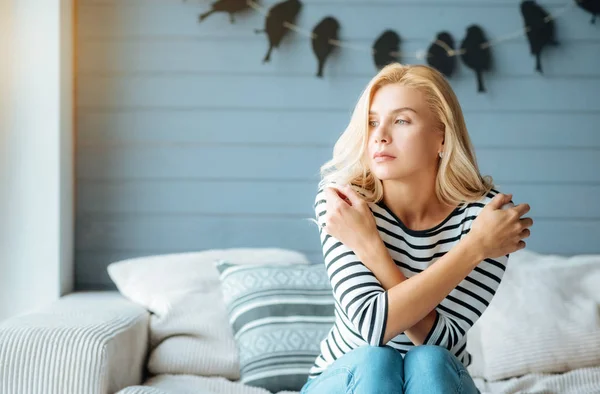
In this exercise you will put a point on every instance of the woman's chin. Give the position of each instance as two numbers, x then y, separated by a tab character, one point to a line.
387	175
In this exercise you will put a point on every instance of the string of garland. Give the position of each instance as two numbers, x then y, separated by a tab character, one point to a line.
474	49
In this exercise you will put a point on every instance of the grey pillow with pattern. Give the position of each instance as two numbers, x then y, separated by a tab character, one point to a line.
279	316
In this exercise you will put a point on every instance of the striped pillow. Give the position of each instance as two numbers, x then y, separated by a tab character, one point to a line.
279	315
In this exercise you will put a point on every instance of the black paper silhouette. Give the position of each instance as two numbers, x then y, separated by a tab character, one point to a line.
540	32
229	6
325	31
438	57
476	57
591	6
279	14
386	48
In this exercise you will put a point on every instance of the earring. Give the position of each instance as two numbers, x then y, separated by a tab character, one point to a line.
441	154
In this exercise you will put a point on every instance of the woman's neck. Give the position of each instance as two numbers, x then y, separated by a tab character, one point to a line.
416	205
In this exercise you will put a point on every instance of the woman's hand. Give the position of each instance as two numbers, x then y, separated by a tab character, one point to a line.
498	232
349	218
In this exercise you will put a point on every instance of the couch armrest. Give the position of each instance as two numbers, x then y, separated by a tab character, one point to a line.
87	342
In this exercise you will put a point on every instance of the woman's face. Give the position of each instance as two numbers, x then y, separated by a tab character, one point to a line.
402	125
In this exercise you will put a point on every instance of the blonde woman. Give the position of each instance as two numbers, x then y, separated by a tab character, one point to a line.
414	239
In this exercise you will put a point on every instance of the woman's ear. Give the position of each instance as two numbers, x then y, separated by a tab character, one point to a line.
440	149
442	131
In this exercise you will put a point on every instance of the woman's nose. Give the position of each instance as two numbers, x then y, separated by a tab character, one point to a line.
381	135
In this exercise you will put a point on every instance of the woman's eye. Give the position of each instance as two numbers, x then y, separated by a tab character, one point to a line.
373	123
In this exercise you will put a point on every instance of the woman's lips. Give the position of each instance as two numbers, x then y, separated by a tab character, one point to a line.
383	158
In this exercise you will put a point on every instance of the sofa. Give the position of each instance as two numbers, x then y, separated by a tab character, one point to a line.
166	329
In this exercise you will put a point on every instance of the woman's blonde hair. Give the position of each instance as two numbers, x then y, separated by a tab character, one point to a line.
458	179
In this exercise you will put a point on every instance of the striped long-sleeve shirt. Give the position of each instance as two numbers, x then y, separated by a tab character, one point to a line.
361	306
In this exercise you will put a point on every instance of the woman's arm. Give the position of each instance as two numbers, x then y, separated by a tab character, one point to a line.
368	305
412	302
379	261
495	233
357	292
360	285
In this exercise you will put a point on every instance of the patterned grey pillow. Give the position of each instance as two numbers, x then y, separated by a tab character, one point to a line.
279	315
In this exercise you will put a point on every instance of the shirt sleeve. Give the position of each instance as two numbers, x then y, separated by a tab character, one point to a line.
356	290
459	311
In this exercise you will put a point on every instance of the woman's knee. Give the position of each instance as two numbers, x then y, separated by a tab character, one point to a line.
379	358
381	370
379	363
367	369
426	357
429	368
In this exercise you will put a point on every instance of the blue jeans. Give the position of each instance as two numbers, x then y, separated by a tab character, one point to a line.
426	369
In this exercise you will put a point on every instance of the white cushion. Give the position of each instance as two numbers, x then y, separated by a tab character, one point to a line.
91	342
544	318
189	328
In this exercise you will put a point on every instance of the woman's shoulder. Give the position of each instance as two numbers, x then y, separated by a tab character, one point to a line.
320	194
474	207
319	202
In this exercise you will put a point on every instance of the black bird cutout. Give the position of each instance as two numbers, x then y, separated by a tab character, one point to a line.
386	48
540	32
438	57
476	57
279	14
229	6
323	32
591	6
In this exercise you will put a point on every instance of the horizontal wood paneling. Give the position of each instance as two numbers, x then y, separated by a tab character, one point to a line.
194	232
198	232
186	141
230	198
282	92
318	128
240	162
573	58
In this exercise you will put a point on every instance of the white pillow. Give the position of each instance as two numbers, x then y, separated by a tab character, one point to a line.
158	281
544	318
189	328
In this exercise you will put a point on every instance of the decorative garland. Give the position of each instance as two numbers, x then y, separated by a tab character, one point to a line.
474	49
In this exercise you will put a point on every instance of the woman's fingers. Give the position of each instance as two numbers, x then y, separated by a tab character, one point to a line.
352	196
526	222
331	193
525	233
522	209
498	200
337	196
333	197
